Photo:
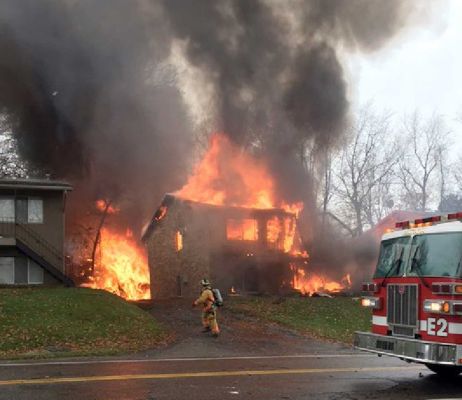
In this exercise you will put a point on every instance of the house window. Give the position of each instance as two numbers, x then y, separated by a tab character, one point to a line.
21	210
274	233
35	211
179	241
242	229
20	271
24	210
6	270
7	209
35	275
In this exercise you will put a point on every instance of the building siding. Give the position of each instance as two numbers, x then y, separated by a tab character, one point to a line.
50	231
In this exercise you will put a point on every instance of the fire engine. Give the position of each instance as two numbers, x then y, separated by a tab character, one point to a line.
416	295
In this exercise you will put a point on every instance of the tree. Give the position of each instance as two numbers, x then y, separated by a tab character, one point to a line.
11	165
365	170
426	145
451	203
326	182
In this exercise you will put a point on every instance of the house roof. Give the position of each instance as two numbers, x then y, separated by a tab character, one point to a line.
170	199
391	219
36	184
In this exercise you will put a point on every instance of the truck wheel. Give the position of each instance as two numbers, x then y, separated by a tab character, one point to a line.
444	370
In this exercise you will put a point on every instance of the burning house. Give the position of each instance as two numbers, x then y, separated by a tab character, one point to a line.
240	249
227	223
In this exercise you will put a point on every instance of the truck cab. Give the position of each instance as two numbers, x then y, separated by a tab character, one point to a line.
416	295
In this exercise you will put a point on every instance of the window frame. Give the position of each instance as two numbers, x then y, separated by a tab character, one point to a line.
42	210
29	282
13	265
13	218
240	224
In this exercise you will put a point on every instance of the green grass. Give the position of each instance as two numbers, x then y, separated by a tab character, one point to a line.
335	319
41	322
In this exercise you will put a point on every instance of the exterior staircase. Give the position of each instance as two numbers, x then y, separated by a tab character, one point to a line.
35	247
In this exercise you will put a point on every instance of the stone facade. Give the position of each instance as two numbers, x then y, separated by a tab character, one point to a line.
207	252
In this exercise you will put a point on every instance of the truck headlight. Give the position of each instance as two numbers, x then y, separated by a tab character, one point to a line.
371	302
437	306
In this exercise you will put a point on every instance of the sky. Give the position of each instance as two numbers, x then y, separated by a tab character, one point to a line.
420	70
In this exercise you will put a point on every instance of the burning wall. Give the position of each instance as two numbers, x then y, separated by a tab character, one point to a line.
121	266
232	224
105	254
231	245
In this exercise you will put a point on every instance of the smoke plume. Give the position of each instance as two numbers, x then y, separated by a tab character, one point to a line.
91	96
276	69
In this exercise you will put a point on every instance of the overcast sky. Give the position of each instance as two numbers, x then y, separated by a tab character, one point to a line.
421	69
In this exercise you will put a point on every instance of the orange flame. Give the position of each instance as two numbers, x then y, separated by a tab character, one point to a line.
101	205
179	241
228	176
347	280
308	284
122	267
161	213
242	229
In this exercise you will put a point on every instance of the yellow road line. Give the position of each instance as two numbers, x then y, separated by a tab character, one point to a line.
46	381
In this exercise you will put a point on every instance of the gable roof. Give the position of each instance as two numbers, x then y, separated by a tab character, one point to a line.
170	199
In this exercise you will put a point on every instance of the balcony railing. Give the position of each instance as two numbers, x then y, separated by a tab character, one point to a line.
22	232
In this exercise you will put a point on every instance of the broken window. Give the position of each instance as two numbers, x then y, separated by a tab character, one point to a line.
242	229
274	233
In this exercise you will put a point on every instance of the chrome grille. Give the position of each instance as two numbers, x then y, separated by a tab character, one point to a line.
402	305
403	331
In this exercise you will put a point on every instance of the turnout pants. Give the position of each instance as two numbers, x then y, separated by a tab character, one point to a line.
209	320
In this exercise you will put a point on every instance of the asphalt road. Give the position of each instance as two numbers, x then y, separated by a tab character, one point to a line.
250	360
344	375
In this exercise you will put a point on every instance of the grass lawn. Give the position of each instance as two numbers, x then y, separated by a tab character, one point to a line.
335	319
41	322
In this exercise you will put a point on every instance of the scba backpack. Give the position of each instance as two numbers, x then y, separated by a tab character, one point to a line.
218	298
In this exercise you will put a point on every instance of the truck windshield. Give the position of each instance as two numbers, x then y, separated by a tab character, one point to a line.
438	254
393	257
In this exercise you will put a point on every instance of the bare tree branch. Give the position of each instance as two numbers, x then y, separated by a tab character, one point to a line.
427	145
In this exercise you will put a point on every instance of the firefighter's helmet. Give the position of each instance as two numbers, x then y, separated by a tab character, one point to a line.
205	283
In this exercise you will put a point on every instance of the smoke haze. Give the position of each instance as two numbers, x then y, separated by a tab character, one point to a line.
92	96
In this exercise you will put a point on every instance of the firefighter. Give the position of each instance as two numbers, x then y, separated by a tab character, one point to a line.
209	313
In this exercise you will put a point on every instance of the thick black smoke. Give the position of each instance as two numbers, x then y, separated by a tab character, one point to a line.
276	69
82	83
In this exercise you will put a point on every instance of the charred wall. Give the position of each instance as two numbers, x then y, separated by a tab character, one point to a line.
248	266
178	272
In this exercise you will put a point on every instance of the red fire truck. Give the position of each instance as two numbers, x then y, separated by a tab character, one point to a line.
416	295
